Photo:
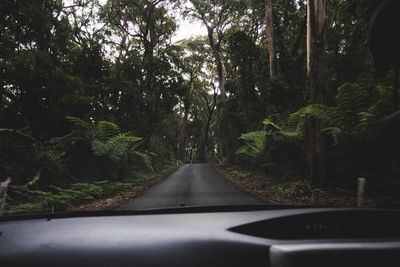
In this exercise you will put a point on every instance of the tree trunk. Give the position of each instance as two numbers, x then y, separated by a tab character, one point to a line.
218	62
204	142
317	82
270	37
223	132
183	137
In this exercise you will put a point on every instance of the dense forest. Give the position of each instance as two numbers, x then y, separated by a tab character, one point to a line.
97	90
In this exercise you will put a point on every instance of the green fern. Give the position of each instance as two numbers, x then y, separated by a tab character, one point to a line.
78	122
321	112
292	129
107	130
295	121
99	147
268	122
253	148
255	140
116	147
107	141
334	132
145	158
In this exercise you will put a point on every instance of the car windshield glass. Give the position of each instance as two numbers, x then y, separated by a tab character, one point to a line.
147	104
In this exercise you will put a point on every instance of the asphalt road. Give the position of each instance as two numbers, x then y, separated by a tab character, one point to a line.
191	185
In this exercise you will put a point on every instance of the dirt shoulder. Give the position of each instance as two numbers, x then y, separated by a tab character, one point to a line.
299	192
117	201
243	186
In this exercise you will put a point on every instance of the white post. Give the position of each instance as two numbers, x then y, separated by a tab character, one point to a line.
360	192
3	194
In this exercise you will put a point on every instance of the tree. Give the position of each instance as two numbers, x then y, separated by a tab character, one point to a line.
270	37
194	59
141	32
217	16
317	82
243	55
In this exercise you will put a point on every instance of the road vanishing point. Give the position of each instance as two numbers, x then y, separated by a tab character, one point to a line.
191	185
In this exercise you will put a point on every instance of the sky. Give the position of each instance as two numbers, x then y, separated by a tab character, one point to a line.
187	29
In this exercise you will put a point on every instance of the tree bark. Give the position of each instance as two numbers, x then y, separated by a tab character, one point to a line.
317	82
270	37
222	125
204	142
183	137
218	62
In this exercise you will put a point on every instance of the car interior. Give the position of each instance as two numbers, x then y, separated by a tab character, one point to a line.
258	235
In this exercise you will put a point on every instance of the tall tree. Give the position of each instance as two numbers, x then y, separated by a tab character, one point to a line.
142	31
317	82
218	16
270	37
195	59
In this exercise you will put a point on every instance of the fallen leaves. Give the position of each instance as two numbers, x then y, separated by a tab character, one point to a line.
298	192
119	200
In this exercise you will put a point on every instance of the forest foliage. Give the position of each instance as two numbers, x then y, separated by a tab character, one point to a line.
102	90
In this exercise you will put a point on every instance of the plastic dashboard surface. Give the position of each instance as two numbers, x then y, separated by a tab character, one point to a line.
313	237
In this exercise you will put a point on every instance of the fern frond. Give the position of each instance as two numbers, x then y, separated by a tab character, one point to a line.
268	122
321	112
296	120
254	144
145	158
99	148
334	132
116	147
243	150
78	122
296	134
107	129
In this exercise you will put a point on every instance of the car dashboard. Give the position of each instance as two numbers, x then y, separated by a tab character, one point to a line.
277	237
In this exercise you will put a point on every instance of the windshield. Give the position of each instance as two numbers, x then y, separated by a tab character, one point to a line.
146	104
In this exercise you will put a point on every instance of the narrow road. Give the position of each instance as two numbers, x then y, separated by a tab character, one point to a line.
191	185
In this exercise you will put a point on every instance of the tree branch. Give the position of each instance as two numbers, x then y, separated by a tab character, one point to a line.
20	133
35	179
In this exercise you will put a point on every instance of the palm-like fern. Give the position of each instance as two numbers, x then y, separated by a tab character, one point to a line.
78	122
292	129
107	141
115	147
107	130
145	158
254	146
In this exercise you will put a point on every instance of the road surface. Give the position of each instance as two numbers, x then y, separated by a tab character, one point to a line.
191	185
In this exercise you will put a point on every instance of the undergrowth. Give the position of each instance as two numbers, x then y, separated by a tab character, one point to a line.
54	199
297	192
58	199
238	174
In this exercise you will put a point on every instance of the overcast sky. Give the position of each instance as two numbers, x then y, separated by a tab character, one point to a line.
187	29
